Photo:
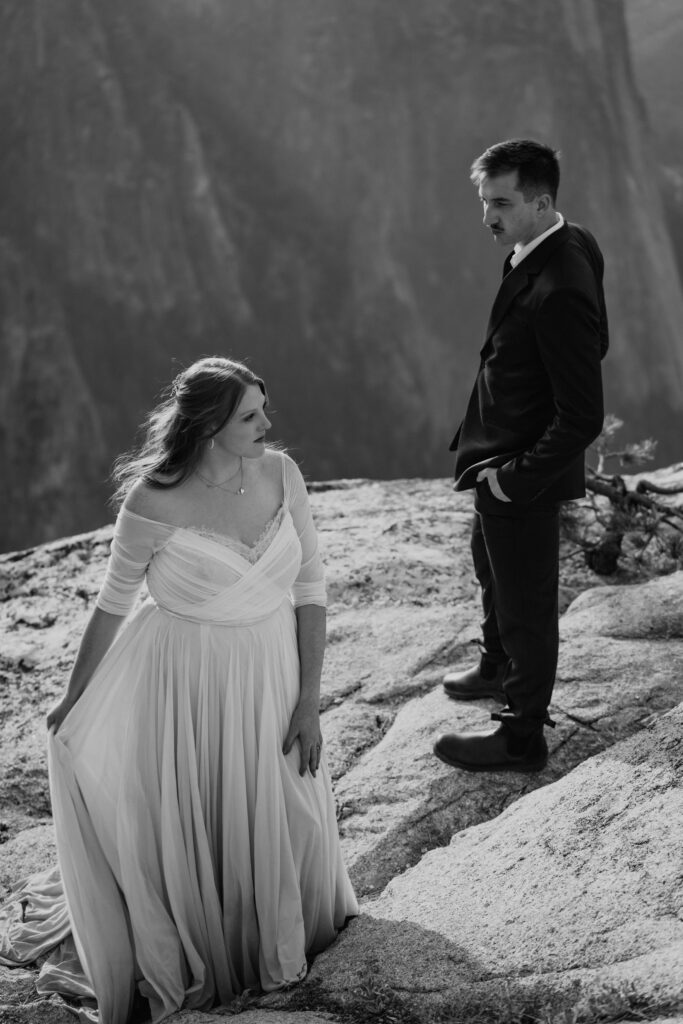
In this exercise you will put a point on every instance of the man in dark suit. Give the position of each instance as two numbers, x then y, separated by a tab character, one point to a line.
535	407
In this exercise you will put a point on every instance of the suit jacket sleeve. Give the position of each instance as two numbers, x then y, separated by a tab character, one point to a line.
568	333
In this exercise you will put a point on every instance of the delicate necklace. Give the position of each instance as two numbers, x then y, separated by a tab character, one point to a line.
222	483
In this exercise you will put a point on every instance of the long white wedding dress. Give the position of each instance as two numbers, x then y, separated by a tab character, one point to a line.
194	860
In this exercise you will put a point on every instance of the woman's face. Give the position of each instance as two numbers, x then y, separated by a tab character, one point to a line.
245	432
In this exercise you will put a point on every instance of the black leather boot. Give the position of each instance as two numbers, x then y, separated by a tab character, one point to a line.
502	750
483	680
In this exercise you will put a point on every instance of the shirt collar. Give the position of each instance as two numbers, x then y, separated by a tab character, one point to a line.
520	251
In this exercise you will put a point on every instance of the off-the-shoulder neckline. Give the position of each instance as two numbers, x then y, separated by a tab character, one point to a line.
200	531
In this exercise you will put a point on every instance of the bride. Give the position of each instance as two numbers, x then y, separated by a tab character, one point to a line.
196	832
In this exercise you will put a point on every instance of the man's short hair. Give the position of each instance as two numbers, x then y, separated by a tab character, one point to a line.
537	166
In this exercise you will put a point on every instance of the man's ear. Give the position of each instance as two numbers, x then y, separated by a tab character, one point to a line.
543	203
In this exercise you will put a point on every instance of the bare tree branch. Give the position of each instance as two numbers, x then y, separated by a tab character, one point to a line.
645	486
615	489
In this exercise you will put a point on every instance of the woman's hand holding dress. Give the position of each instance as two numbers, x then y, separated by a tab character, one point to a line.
97	639
59	713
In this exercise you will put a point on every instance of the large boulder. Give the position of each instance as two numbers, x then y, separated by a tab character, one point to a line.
570	898
621	662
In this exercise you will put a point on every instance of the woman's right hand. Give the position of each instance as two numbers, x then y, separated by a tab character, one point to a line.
59	713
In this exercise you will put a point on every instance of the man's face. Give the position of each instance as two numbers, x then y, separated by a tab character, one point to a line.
510	219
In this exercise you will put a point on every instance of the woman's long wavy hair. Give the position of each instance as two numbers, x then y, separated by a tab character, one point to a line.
197	405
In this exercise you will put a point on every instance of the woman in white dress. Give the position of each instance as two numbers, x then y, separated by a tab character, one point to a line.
198	847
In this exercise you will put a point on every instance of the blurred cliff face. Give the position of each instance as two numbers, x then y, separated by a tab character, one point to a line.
656	36
288	183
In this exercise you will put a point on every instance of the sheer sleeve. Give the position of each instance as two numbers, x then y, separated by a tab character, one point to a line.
309	586
135	542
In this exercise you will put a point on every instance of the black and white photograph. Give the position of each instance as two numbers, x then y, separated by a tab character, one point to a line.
341	531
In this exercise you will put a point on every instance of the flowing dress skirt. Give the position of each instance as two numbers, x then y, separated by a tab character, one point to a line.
197	862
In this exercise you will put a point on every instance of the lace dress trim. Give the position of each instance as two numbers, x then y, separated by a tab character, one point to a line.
251	552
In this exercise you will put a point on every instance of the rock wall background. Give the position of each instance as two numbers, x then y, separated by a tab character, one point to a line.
289	183
656	34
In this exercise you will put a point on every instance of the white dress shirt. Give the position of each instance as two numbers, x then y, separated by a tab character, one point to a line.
521	251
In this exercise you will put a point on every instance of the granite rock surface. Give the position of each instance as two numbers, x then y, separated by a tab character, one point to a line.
561	889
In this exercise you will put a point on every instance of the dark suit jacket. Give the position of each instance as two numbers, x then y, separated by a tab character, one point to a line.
537	400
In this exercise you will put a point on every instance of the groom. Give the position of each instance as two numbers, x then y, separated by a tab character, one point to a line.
535	407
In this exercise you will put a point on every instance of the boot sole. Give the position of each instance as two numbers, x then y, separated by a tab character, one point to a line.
479	695
507	766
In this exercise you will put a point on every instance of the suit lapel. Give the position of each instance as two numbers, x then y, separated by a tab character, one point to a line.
512	284
517	278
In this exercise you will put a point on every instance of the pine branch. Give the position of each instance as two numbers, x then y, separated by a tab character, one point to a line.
645	486
615	489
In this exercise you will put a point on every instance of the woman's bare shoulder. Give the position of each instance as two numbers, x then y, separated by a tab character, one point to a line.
143	499
280	467
278	458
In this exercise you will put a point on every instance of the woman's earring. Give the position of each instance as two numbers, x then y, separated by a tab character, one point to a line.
211	443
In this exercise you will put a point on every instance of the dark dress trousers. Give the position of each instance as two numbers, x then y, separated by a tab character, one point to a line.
535	407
